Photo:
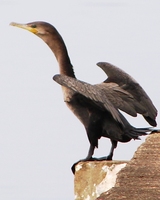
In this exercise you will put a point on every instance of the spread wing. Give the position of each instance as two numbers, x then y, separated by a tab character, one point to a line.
130	96
120	98
92	92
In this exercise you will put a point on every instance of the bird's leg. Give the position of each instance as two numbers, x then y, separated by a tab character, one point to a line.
88	158
109	157
90	153
114	145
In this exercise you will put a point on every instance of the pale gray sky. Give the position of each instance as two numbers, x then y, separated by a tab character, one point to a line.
39	137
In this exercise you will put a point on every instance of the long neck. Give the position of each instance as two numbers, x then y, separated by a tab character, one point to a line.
63	59
59	49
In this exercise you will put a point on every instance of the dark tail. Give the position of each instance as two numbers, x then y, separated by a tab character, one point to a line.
136	132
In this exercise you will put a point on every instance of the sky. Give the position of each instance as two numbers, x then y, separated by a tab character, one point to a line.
40	138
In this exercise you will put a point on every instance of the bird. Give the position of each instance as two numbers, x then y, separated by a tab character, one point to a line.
97	106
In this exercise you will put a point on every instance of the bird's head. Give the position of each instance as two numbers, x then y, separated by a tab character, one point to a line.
42	29
50	36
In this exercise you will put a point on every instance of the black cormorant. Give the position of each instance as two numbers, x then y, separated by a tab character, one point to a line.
97	106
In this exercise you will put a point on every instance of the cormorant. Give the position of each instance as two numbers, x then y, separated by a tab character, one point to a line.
97	106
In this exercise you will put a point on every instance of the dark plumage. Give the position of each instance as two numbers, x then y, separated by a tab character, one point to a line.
97	106
130	96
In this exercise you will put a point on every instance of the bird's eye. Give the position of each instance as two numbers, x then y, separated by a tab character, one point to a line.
33	26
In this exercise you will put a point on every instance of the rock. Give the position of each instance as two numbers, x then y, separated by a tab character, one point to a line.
92	178
138	179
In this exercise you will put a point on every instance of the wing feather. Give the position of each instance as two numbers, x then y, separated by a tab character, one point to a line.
140	101
92	92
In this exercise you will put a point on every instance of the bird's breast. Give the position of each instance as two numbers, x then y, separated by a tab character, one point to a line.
80	111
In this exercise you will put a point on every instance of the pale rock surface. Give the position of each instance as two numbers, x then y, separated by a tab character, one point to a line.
95	177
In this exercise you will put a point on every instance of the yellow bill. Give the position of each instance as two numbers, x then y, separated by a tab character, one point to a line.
25	26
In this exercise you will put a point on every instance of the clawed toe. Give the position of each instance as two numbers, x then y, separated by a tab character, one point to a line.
90	159
82	160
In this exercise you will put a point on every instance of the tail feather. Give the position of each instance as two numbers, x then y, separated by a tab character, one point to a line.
148	129
136	132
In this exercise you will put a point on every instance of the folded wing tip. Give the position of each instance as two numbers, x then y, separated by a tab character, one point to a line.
99	63
55	77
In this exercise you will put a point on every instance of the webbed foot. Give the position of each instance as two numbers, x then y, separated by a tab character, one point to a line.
90	159
109	157
82	160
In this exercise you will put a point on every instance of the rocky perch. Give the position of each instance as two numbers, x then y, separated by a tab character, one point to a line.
138	179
